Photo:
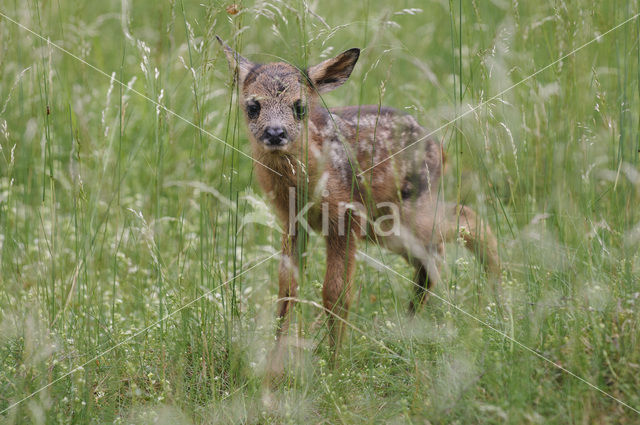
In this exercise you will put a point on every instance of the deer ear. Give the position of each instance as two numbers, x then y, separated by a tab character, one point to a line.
333	72
237	63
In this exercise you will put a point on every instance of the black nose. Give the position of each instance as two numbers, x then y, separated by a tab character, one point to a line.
275	136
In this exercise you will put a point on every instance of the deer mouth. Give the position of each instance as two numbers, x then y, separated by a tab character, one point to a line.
275	145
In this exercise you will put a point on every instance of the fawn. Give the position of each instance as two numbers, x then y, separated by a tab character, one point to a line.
299	143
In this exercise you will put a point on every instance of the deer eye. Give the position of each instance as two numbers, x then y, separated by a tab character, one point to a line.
253	109
299	110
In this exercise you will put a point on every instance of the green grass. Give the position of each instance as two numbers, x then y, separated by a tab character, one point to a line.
115	213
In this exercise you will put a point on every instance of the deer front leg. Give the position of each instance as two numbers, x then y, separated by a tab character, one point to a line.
288	288
287	282
336	291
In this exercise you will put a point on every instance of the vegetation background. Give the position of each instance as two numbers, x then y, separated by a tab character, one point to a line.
137	276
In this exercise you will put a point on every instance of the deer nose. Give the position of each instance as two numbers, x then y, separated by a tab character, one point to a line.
275	136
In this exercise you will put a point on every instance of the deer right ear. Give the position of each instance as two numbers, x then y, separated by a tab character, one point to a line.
333	72
237	63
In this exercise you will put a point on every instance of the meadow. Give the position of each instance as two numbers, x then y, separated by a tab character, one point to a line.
138	257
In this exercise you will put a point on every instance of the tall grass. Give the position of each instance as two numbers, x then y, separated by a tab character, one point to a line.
114	214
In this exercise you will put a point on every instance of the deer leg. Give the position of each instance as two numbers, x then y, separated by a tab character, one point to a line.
478	239
427	274
477	236
336	291
287	283
287	288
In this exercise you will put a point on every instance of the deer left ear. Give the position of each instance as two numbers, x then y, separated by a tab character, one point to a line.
237	63
333	72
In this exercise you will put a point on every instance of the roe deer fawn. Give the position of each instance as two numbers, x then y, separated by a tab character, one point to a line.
302	143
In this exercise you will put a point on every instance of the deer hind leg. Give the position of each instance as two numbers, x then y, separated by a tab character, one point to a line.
336	291
478	238
430	224
426	276
419	240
